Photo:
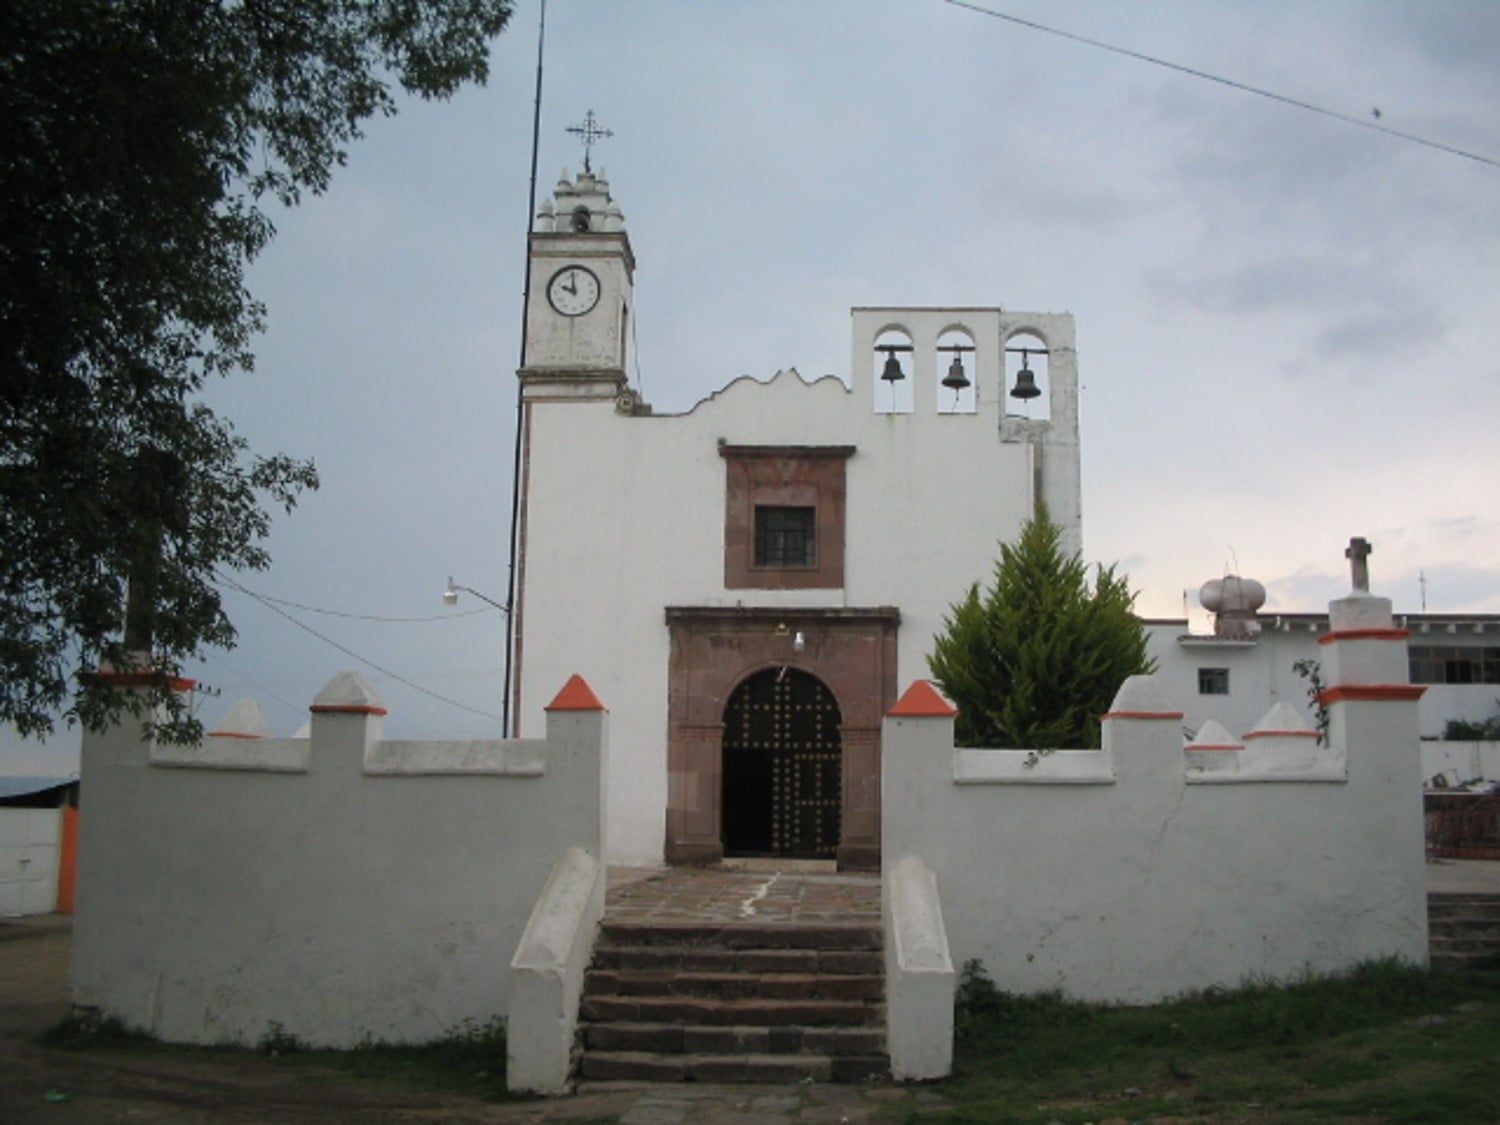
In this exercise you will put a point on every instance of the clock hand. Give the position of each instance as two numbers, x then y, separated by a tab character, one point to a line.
572	285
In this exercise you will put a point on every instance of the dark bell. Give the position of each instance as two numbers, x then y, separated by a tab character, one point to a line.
1025	385
892	372
956	379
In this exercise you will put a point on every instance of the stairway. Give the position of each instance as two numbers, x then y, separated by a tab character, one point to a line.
744	1001
1463	930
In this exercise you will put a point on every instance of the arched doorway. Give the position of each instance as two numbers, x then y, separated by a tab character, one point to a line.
782	767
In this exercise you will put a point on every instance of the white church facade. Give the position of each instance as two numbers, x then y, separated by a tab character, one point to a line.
749	585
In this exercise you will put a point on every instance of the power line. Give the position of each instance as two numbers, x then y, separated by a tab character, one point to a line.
349	652
214	658
1231	83
351	616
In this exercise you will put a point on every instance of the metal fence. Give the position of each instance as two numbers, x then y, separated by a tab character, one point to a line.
1463	825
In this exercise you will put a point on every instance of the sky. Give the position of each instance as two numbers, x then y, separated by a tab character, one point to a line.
1287	331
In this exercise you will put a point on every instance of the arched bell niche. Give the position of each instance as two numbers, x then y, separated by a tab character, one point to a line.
893	372
958	378
1028	383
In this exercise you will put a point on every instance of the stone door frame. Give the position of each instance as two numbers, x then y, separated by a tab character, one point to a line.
713	649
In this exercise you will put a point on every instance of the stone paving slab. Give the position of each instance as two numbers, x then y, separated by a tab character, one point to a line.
708	896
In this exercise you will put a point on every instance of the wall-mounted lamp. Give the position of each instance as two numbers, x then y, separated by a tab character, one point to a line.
799	642
892	372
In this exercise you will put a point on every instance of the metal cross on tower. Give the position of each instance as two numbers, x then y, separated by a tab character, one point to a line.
591	133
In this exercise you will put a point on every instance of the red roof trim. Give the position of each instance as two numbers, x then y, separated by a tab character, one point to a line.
1364	635
143	679
1143	715
1367	693
922	701
1282	734
576	695
346	709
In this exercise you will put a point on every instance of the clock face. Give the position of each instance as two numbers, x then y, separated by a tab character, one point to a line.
573	290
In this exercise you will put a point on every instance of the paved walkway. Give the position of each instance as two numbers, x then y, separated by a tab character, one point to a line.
742	895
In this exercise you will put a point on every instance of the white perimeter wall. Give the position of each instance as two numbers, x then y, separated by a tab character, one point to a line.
625	516
1136	874
30	851
1471	703
1459	762
340	887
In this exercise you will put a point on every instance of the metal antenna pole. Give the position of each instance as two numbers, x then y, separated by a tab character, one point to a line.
515	479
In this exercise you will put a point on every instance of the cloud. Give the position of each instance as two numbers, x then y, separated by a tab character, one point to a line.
1377	334
1463	34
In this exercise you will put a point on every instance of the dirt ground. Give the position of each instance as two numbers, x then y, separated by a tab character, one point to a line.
48	1085
40	1084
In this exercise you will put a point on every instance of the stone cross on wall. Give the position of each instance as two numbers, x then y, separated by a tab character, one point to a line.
1358	554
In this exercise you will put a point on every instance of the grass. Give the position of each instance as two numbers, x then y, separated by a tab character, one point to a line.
469	1059
1385	1043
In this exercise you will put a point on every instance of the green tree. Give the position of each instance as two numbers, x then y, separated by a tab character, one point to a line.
1035	660
141	139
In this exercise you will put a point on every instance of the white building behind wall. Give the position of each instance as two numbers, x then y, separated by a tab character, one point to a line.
1247	663
748	585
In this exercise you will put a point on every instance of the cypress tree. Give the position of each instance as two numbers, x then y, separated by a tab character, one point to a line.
1034	661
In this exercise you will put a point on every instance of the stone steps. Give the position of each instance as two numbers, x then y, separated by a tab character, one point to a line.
734	1002
741	985
1463	930
772	1069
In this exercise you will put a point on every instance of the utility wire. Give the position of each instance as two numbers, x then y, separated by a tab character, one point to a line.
232	584
214	658
1241	86
349	652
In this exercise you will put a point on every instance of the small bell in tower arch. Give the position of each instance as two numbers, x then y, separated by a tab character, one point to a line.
1025	381
892	372
956	379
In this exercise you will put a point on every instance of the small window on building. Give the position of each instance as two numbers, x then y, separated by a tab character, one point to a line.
1213	681
785	536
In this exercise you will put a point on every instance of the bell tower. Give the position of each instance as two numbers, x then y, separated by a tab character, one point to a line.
582	268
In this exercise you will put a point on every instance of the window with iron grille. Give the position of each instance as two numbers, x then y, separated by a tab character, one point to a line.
785	536
1213	681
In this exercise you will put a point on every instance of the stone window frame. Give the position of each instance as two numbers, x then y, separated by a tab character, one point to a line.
810	476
